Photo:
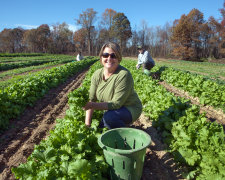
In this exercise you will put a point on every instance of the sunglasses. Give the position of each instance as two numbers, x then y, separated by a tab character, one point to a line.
106	55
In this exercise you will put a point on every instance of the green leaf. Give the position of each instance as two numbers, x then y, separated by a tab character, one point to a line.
79	168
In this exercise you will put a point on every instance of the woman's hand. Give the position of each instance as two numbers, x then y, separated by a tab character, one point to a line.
137	66
88	117
88	125
89	105
89	111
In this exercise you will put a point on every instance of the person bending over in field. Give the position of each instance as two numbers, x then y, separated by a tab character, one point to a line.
113	87
79	56
145	59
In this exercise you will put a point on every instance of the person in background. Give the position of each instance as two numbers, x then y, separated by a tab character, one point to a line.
79	56
145	59
112	91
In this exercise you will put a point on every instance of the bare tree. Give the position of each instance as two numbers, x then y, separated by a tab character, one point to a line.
143	32
87	20
42	37
62	38
29	40
11	40
107	20
79	39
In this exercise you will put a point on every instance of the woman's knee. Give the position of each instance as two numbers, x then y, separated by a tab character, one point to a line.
111	120
109	115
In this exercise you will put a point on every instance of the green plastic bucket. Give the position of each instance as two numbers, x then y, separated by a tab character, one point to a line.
124	150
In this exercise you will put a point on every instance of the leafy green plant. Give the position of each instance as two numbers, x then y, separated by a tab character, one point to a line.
192	140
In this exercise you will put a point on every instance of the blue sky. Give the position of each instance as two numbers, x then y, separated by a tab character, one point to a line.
32	13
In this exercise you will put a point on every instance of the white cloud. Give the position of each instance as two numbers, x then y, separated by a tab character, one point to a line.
26	26
72	27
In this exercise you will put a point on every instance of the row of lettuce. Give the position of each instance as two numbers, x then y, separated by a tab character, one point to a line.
17	96
8	77
21	54
71	150
19	62
33	58
208	91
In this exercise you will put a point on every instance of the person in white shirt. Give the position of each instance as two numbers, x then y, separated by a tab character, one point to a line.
79	56
145	59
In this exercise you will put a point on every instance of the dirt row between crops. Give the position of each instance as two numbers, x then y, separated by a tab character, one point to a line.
212	114
35	123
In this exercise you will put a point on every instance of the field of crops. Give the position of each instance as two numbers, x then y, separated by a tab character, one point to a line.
185	110
210	70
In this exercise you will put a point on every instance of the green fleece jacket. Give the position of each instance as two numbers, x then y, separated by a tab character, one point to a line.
117	91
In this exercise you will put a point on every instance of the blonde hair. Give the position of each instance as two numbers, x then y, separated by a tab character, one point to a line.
115	47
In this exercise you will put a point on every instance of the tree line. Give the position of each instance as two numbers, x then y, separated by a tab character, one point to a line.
189	38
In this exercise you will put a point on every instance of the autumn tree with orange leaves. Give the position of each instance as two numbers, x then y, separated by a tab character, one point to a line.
185	38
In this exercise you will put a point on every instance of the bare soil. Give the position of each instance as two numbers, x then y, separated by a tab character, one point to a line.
34	124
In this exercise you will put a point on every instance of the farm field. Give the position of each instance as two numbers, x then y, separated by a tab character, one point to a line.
35	122
12	70
212	70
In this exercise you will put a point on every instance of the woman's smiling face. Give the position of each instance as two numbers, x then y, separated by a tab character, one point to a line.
111	62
